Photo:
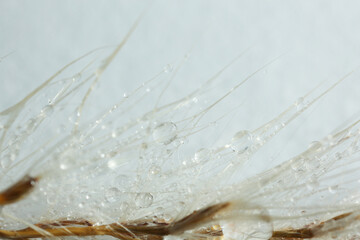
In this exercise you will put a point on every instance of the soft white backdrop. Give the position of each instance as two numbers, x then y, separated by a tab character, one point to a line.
317	40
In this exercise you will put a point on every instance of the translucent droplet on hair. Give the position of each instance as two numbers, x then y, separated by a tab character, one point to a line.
6	162
76	77
47	110
300	104
168	68
241	141
165	133
112	194
202	155
155	169
143	200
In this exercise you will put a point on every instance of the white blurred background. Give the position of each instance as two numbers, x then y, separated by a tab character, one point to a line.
317	41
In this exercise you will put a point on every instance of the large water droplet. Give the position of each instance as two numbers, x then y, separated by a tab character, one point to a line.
165	133
143	200
257	228
241	141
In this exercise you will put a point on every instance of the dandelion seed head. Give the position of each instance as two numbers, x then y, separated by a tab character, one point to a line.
125	162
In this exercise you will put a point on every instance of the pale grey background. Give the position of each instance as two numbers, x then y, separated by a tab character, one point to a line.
318	40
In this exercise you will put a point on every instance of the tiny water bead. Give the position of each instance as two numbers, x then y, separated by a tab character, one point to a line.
312	164
47	110
168	68
143	200
112	194
6	162
300	104
112	164
312	183
76	77
30	125
333	189
202	155
51	199
155	169
124	207
165	133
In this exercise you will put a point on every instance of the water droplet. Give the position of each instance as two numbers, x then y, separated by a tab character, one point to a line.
112	194
179	206
257	228
47	110
51	199
6	162
63	166
202	155
113	134
312	184
76	77
124	207
112	164
312	164
143	200
333	189
241	141
298	165
279	126
165	133
30	125
155	169
315	145
81	205
122	180
126	95
300	104
86	140
168	68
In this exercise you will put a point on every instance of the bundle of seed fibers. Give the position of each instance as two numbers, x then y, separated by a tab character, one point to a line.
72	170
